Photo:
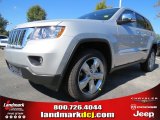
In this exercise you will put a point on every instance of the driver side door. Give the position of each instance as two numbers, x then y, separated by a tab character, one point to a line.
128	41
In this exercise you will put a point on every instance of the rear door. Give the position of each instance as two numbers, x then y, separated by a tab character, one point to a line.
145	30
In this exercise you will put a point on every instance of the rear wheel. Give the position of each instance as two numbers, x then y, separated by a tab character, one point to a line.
87	75
149	65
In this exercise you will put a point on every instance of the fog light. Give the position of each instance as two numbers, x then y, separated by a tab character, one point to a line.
36	60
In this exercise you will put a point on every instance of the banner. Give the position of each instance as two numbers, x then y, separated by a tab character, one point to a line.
142	106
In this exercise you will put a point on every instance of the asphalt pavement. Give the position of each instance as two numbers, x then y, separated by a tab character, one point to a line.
124	82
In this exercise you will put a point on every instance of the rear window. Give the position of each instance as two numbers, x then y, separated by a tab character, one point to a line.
143	23
140	22
148	25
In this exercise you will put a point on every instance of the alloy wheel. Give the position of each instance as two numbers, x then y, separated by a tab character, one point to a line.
91	76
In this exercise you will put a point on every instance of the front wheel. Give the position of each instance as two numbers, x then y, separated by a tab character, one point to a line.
87	75
149	65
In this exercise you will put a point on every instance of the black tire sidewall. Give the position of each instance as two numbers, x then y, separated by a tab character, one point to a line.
145	66
150	69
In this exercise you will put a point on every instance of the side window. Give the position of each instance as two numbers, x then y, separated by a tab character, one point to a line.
133	24
148	25
141	23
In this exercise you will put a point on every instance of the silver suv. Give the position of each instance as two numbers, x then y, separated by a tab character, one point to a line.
81	52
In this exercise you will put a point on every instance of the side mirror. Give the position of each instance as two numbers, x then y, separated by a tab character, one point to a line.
126	18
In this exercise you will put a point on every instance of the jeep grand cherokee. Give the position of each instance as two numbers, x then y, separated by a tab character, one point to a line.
81	52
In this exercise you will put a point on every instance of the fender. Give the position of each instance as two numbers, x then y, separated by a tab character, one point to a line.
82	41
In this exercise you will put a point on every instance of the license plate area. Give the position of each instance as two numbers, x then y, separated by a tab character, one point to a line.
15	70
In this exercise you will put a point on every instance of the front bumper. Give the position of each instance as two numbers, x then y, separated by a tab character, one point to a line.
46	49
54	55
21	58
51	82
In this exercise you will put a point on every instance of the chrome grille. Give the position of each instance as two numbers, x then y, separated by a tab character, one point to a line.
16	38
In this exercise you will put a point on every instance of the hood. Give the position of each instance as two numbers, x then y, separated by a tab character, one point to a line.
39	23
52	22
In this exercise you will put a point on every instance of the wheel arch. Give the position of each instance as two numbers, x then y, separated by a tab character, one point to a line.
154	46
101	45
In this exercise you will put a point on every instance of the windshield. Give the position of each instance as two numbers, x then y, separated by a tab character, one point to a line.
101	14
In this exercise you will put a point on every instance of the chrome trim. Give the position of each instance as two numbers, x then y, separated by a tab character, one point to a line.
19	37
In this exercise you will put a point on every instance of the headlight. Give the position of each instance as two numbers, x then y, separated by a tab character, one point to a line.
47	32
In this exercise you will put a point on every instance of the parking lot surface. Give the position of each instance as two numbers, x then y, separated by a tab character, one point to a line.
124	82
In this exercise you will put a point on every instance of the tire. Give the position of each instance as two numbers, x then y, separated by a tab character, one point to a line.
149	64
87	71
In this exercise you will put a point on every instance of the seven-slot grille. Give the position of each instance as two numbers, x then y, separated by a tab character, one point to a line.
16	37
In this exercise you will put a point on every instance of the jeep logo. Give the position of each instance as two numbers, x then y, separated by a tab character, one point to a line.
144	114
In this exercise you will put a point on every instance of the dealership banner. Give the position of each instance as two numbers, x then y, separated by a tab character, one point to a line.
142	106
